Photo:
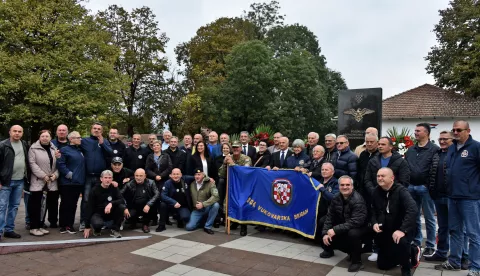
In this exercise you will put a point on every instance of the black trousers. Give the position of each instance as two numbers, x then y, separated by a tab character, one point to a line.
391	254
350	243
68	204
137	211
116	216
181	214
35	208
318	232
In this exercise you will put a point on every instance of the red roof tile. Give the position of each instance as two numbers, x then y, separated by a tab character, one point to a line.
428	101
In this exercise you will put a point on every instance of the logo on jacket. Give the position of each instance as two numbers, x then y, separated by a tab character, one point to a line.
282	191
464	153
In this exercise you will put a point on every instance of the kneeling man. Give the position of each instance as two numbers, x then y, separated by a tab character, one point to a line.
140	195
105	203
346	224
394	215
205	200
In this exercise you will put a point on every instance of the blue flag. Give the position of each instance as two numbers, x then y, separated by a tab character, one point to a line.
283	199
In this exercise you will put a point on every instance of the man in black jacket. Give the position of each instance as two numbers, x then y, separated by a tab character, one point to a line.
118	147
393	218
121	175
420	158
177	156
346	224
314	167
279	158
105	203
141	194
136	156
371	150
344	160
14	178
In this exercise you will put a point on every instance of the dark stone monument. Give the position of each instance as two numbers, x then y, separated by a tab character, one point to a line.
359	109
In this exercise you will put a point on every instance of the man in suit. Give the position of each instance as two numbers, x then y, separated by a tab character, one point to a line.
248	150
279	158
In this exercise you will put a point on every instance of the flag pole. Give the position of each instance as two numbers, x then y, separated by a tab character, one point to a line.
227	221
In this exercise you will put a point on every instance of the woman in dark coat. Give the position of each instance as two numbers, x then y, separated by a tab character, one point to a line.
201	159
158	166
263	156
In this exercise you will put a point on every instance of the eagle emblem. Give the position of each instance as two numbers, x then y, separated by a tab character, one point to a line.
359	113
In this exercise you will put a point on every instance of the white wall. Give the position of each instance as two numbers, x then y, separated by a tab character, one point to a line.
443	124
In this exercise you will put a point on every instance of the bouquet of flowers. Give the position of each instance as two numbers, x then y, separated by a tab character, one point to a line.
402	140
262	133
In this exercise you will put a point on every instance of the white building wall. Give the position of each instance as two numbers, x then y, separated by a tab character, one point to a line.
442	124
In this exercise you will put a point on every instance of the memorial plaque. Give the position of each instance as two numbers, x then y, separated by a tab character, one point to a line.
359	109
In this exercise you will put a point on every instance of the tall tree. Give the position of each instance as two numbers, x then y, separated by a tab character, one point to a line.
264	16
56	65
455	61
142	62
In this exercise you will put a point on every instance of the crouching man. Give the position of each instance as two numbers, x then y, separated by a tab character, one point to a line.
394	215
105	204
140	195
345	224
205	200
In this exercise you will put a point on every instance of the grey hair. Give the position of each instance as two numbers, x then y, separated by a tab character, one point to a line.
447	132
73	133
106	172
315	135
298	143
244	132
329	164
174	137
371	135
322	149
347	177
331	135
343	136
166	131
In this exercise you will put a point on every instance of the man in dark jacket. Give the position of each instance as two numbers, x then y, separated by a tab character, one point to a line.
96	149
371	149
140	194
61	140
330	148
345	160
136	156
71	166
420	158
14	177
346	224
121	175
118	147
279	158
463	190
314	167
312	141
393	218
175	196
177	156
106	204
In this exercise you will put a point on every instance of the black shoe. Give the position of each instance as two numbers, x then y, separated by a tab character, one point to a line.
428	252
415	258
354	267
406	272
12	235
326	254
208	231
435	258
71	230
180	224
53	225
447	266
216	224
160	228
63	230
243	230
464	264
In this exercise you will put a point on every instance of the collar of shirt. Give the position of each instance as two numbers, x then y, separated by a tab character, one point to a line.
199	185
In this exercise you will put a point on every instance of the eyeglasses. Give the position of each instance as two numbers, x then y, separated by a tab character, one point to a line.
340	143
444	139
458	129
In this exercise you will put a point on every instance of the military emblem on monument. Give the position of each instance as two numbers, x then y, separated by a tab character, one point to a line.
282	191
359	113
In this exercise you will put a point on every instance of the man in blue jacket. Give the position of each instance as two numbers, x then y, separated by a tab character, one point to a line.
96	149
344	160
420	160
463	191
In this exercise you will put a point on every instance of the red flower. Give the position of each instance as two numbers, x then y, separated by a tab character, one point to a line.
408	143
393	139
407	138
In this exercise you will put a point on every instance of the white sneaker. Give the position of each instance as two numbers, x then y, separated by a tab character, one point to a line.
36	232
373	257
44	231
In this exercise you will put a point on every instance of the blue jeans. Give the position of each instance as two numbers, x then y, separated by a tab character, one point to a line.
90	182
197	215
26	196
443	245
424	201
10	198
464	213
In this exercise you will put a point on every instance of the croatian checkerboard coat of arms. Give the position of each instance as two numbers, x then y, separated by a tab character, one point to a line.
282	191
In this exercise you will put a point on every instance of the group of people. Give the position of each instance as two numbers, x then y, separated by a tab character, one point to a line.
371	198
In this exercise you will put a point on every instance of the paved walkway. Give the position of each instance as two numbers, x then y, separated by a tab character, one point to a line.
177	252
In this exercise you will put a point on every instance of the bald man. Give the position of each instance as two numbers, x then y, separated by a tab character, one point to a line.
13	169
61	140
362	147
141	194
135	155
394	214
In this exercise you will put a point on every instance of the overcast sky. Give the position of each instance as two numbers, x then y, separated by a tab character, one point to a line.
373	43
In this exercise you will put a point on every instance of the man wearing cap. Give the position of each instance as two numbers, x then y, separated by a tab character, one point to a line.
205	201
230	160
121	175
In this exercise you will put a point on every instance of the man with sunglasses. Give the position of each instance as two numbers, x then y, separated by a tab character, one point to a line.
344	161
463	191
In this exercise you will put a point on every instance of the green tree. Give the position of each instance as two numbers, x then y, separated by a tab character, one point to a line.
142	63
264	16
56	65
455	61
